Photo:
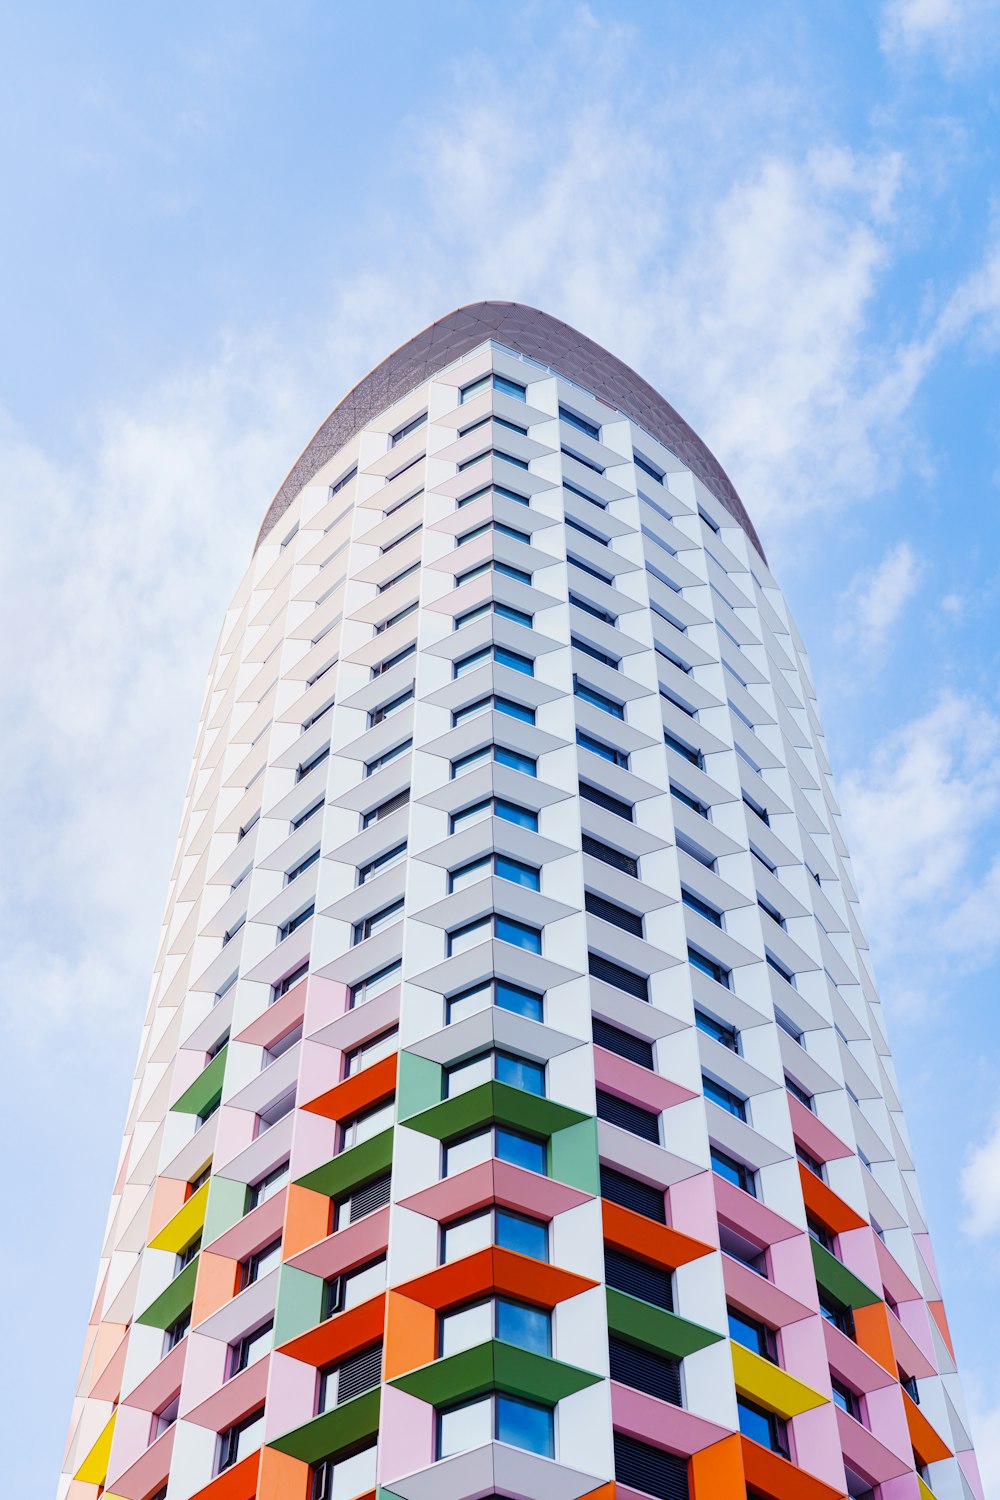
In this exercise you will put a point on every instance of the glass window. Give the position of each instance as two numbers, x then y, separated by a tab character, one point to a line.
471	711
465	1427
520	1073
518	933
522	1002
260	1264
357	1287
752	1335
266	1188
527	1327
514	710
520	1150
509	812
509	387
733	1171
525	1425
460	1155
372	1051
470	762
469	874
466	1237
465	938
517	872
251	1348
469	815
376	984
468	1075
343	1478
512	659
239	1441
762	1427
465	1328
515	760
526	1236
470	663
364	1127
724	1098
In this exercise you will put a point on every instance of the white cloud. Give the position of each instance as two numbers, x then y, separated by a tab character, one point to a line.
914	816
980	1185
958	33
874	601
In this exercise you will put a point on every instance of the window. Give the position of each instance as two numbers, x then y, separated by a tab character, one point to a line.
501	706
779	968
497	1226
628	1116
579	458
598	700
362	1056
611	856
301	867
820	1234
258	1265
508	1419
495	1318
340	483
496	992
643	1370
266	1187
378	921
238	1441
386	665
617	976
592	609
297	921
734	1104
376	984
636	1048
383	862
177	1330
617	916
580	423
733	1171
695	903
341	1478
709	966
604	799
498	382
492	606
304	817
645	467
344	1292
629	1192
302	771
506	1145
508	812
598	747
762	1427
361	1372
638	1278
386	710
757	809
386	809
365	1126
505	1067
752	1335
199	1181
845	1398
410	427
501	865
726	1036
687	801
362	1201
390	583
396	619
506	929
642	1467
252	1347
679	748
750	1254
809	1161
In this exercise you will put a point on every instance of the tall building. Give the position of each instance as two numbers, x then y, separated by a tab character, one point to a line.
514	1114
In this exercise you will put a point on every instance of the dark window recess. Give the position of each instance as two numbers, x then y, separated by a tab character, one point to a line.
385	808
638	1279
603	799
628	921
374	1194
649	1469
613	857
645	1371
359	1373
629	1116
635	1048
629	1192
621	979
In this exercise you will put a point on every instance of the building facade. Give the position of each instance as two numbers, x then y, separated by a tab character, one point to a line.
514	1114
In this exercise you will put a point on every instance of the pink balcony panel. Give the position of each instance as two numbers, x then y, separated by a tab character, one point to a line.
346	1248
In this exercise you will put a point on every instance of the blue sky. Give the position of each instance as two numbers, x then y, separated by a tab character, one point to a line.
216	219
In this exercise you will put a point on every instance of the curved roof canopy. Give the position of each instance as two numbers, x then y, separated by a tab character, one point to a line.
537	336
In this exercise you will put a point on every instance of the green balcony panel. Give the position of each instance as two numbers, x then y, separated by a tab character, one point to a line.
333	1431
494	1102
418	1084
494	1366
207	1086
654	1328
573	1157
177	1298
351	1168
299	1306
834	1277
227	1202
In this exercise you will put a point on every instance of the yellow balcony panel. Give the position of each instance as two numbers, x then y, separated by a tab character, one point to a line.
769	1386
926	1493
187	1222
94	1469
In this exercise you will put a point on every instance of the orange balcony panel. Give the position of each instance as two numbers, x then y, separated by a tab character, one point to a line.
874	1336
308	1217
169	1194
237	1483
362	1091
410	1335
283	1477
341	1335
936	1310
825	1205
716	1472
929	1447
216	1285
646	1240
774	1476
496	1270
603	1492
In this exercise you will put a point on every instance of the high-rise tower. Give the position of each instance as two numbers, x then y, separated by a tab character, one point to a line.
514	1114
